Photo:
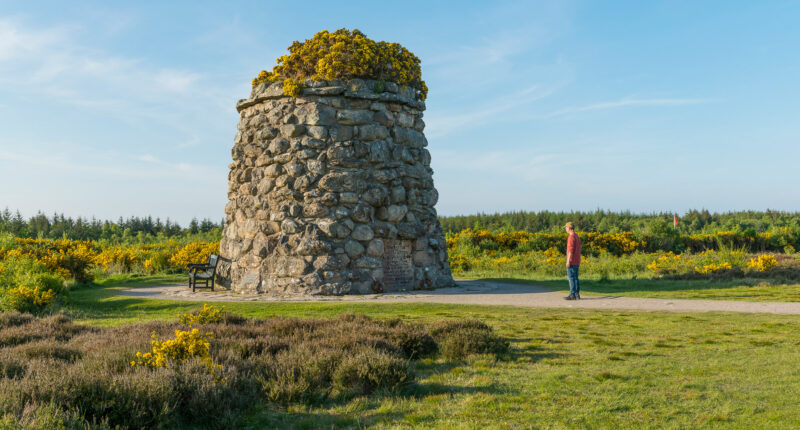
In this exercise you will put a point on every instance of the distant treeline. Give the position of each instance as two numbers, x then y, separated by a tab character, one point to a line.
147	229
133	229
657	224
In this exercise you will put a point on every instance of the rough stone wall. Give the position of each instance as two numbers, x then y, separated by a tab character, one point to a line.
332	193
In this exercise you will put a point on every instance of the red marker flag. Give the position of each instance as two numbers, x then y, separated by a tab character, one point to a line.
675	221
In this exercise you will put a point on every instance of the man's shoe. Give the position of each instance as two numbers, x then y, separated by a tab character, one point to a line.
569	297
578	296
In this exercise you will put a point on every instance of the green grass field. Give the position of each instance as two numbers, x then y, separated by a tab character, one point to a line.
567	368
747	289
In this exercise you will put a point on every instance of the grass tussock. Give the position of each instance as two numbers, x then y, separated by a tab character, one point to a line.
56	374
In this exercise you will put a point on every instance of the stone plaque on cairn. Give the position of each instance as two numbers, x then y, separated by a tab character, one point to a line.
331	192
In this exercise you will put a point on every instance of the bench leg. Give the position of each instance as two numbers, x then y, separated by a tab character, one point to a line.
212	283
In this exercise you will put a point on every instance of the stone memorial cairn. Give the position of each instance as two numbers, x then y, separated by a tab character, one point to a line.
331	193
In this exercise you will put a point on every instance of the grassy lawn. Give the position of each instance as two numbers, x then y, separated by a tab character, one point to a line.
747	289
567	369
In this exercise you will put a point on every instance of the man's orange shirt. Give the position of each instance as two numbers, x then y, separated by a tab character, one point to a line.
574	246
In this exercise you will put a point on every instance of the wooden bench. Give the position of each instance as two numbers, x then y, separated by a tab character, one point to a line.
203	272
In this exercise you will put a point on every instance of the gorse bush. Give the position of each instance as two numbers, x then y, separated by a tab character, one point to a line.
65	258
469	242
33	271
27	299
192	253
343	55
76	259
713	268
763	263
27	285
480	253
207	315
61	374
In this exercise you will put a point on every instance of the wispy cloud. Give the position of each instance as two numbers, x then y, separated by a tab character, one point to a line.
176	81
525	165
180	167
54	62
630	102
487	55
443	124
150	167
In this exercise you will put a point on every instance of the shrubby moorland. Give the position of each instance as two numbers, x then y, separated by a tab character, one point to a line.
42	257
138	363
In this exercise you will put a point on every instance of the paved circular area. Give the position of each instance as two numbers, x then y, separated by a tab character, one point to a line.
480	293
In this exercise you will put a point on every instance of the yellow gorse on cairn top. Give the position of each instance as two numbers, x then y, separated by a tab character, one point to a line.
344	55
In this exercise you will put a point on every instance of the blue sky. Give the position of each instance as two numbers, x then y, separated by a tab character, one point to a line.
110	109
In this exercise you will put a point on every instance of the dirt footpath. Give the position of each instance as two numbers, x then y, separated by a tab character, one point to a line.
480	293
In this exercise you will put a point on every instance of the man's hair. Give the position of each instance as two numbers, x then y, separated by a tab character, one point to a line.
570	225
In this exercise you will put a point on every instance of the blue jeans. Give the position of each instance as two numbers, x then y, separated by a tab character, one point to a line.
574	283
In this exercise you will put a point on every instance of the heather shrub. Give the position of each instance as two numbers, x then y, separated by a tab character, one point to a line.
369	370
12	366
444	328
136	399
47	416
57	374
13	319
457	345
300	374
212	401
56	327
47	349
414	341
460	338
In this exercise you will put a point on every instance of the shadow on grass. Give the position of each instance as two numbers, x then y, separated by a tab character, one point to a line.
135	280
101	299
363	411
623	286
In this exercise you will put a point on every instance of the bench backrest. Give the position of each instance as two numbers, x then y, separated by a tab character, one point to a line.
212	262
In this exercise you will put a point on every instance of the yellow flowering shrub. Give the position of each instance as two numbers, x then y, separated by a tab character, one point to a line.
187	345
459	263
76	259
502	261
194	253
554	258
512	239
66	258
592	243
29	299
713	268
345	54
291	87
763	263
208	315
118	259
667	264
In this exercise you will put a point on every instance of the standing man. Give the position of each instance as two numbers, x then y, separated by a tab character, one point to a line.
573	262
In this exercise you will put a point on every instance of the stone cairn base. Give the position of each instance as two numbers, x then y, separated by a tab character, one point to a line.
332	193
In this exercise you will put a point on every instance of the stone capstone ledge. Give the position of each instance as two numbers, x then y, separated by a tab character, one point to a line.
367	89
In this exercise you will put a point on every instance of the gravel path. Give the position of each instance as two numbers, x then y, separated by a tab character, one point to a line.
481	293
